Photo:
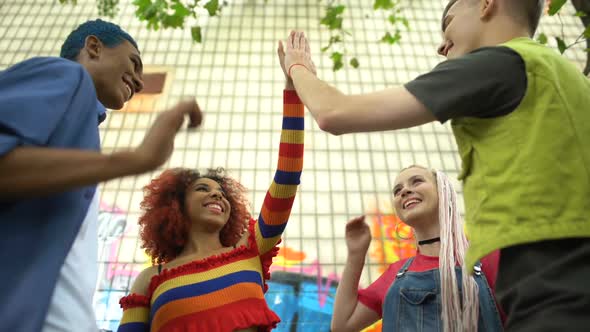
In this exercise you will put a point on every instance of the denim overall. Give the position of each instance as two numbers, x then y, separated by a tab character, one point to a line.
413	302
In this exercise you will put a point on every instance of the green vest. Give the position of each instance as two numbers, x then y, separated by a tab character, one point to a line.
526	175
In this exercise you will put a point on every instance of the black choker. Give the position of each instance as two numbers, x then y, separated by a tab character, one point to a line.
429	241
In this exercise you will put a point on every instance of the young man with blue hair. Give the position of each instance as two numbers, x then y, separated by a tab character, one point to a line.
50	165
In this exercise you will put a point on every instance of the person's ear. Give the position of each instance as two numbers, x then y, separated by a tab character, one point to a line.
488	8
93	46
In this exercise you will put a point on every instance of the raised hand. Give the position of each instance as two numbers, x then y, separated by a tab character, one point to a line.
298	52
281	53
158	143
358	236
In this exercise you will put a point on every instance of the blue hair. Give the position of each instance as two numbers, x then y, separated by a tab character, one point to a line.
110	34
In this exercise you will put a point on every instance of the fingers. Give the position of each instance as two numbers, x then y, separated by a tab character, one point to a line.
195	116
308	55
302	41
290	41
355	221
281	54
281	49
192	109
296	40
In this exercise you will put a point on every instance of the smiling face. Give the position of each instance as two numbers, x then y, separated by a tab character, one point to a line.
206	203
415	196
116	71
462	28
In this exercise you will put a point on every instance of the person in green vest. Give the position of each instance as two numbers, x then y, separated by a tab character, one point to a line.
520	114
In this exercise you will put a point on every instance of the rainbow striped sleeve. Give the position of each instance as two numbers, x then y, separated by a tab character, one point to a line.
279	198
136	314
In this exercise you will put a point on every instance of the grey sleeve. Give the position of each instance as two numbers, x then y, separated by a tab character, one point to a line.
488	82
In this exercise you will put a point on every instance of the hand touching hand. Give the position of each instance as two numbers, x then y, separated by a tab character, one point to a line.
358	236
281	53
298	52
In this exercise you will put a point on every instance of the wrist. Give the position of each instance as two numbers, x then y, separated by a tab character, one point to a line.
356	256
130	162
295	66
289	84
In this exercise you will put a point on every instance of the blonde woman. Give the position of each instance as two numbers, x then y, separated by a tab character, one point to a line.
424	292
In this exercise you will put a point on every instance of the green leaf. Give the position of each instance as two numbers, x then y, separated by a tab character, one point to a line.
107	8
337	60
389	39
587	32
392	19
335	39
581	14
152	12
336	10
212	7
561	45
333	18
142	4
542	38
196	33
172	21
336	56
333	11
354	63
555	6
175	20
336	23
383	4
405	22
180	10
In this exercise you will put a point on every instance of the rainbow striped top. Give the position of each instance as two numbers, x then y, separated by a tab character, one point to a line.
226	292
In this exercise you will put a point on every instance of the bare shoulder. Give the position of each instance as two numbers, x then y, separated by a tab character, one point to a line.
142	282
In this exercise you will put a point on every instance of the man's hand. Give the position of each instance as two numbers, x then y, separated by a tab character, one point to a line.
158	143
298	52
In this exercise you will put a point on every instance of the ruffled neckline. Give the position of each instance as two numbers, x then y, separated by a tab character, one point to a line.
208	263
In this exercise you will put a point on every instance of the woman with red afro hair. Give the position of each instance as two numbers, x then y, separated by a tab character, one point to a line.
166	223
211	258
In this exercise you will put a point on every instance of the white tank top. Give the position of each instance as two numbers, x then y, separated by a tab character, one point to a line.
71	307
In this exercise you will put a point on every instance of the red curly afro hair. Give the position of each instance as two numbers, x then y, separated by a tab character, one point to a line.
164	226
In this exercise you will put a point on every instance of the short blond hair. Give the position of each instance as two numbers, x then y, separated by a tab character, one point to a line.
529	11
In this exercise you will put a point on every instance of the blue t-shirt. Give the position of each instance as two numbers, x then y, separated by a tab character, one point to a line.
44	102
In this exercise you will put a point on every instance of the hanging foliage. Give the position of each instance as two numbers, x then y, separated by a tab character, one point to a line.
178	14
